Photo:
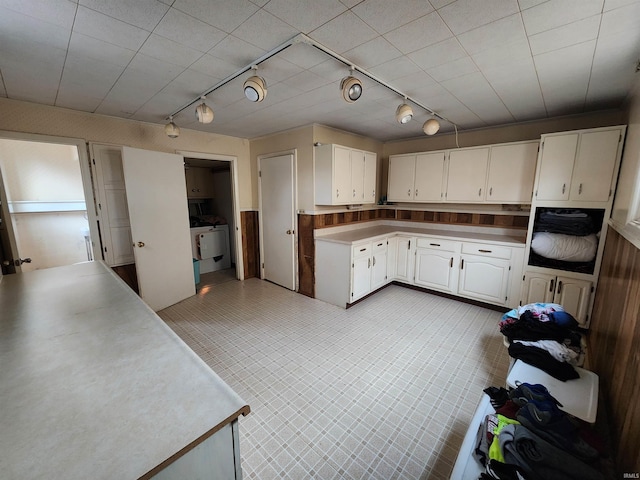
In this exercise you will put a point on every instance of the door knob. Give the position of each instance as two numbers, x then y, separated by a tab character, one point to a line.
141	244
288	232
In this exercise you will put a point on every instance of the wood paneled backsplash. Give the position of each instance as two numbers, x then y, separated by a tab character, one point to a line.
250	243
614	346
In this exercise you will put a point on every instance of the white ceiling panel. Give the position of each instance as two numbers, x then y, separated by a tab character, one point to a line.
422	32
222	14
565	36
555	13
465	15
141	13
372	53
189	31
343	33
386	15
438	54
169	51
500	60
110	30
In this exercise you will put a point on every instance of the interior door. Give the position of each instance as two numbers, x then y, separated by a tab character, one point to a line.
157	200
277	220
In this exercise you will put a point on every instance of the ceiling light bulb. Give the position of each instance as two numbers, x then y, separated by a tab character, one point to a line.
204	113
255	88
404	114
171	129
431	126
351	89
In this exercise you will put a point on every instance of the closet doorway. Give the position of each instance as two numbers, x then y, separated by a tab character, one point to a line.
212	195
46	220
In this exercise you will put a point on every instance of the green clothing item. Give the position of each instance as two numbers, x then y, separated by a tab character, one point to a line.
495	453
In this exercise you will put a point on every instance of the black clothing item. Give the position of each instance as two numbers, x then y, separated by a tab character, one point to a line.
544	361
502	471
527	327
498	396
569	222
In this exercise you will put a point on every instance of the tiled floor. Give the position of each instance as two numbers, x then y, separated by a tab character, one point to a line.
385	389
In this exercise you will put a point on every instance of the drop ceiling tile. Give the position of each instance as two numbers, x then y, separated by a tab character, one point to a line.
457	68
476	94
465	15
415	85
16	28
275	70
214	66
555	13
191	83
222	14
303	55
343	33
386	15
331	70
372	53
305	81
163	103
156	70
438	54
105	28
440	3
613	4
501	55
189	31
141	13
621	20
502	32
260	3
33	81
524	4
92	48
305	15
57	12
396	68
89	77
236	51
264	30
420	33
350	3
169	51
69	97
565	36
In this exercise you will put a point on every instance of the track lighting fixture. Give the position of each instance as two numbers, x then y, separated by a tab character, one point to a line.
171	129
404	113
204	113
255	87
431	126
351	88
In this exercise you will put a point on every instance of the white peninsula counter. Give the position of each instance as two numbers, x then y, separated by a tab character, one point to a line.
93	384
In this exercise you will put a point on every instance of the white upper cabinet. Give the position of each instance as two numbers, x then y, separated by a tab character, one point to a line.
579	166
344	175
402	172
512	169
467	175
429	176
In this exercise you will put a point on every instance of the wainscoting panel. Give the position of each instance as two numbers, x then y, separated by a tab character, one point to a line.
614	346
250	243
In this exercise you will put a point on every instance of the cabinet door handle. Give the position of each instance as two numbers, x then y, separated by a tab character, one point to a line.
564	185
491	191
553	281
374	261
580	190
416	192
462	264
451	263
380	244
409	193
354	192
559	286
337	193
479	192
434	244
363	249
484	251
369	264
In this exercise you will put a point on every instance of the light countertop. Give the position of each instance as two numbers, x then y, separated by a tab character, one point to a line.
93	384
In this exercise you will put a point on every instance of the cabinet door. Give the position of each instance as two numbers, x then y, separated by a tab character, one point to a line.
594	166
556	167
429	173
538	288
360	277
379	268
392	255
512	169
437	269
404	259
342	191
370	177
357	176
574	296
467	175
401	178
484	278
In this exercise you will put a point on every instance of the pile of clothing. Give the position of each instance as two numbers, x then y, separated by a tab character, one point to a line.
545	336
570	222
530	438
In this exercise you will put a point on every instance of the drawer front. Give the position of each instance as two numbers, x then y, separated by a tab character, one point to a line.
361	250
438	244
494	251
379	245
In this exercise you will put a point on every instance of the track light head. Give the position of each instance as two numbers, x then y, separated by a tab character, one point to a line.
171	129
404	114
351	89
255	88
204	113
431	126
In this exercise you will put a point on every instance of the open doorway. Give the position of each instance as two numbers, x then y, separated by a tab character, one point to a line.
46	220
214	217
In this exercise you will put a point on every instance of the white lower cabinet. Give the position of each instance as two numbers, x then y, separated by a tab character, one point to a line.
404	255
368	268
572	293
437	264
378	264
484	278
